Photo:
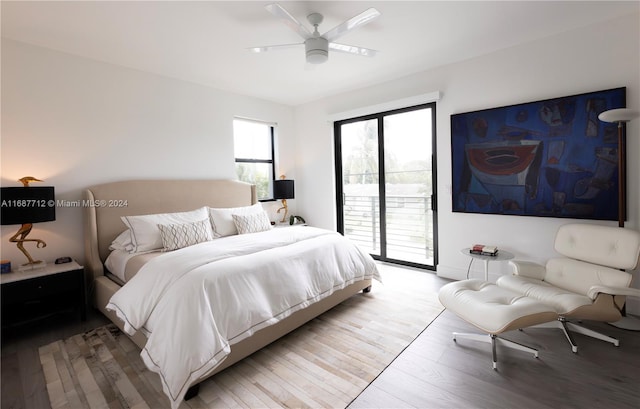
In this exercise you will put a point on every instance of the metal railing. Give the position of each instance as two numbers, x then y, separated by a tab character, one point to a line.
409	226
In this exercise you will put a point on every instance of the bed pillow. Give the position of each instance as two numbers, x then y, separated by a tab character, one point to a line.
252	223
222	220
122	242
145	234
177	236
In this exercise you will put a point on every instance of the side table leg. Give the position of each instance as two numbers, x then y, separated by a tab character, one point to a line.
486	270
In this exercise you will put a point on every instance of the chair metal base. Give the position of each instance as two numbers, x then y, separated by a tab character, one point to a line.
565	326
493	340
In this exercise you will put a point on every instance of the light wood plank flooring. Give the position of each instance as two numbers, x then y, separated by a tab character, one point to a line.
436	372
432	372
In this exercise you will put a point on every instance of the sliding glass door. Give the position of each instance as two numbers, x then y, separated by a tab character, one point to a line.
360	184
386	184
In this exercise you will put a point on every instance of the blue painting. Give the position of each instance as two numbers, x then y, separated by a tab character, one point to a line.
550	158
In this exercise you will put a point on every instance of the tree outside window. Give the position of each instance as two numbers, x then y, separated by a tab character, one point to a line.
254	151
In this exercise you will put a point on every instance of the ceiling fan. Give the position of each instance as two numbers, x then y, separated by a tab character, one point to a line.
317	46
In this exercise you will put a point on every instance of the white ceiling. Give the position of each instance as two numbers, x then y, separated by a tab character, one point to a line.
205	41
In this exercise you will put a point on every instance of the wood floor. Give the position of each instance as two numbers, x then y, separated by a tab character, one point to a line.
432	372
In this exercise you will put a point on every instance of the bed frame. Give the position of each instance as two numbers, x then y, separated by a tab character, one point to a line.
105	204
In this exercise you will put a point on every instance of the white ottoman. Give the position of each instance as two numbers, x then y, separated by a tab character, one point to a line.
494	310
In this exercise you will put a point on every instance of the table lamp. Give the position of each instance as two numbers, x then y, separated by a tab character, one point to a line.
27	205
283	189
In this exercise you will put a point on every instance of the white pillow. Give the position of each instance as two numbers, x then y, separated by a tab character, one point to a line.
122	242
145	234
222	220
252	223
177	236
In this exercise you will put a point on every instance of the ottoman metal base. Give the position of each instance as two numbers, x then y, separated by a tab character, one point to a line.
493	339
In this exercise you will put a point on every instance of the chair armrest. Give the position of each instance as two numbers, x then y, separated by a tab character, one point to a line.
528	269
597	289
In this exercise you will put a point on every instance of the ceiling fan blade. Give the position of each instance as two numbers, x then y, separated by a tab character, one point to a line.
352	49
279	12
351	24
265	48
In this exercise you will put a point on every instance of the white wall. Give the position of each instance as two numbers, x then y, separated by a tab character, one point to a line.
74	122
593	58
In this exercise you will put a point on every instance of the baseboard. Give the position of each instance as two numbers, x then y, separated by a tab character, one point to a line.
452	273
455	273
633	306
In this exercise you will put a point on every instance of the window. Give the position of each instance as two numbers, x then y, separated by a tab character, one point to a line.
253	145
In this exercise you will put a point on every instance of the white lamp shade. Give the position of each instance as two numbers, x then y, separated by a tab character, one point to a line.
618	115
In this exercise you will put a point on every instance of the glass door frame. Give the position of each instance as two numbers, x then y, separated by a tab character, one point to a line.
382	179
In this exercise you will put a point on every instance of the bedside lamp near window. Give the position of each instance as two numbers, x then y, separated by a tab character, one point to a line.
27	205
283	189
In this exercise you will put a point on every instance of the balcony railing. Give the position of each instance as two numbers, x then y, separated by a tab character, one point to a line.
409	226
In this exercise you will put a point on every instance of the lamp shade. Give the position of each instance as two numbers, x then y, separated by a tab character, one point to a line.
22	205
283	189
618	115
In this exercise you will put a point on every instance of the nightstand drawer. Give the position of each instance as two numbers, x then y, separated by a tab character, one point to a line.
37	288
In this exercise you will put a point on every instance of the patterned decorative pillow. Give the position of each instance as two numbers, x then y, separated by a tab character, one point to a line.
222	220
177	236
252	223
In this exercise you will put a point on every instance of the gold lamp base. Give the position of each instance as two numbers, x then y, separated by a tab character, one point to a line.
286	210
20	237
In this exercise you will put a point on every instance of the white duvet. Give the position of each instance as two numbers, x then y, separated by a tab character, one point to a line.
195	302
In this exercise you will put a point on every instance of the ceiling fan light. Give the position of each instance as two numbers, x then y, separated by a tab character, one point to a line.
317	56
317	50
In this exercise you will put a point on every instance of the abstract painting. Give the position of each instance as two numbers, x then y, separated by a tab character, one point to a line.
550	158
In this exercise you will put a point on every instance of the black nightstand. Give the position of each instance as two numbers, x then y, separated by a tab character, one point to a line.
38	293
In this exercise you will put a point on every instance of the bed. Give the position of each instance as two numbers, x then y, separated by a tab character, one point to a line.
298	253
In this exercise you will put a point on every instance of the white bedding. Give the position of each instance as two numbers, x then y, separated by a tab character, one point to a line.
125	265
117	262
195	302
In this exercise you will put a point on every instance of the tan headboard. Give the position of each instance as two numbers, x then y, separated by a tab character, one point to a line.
105	204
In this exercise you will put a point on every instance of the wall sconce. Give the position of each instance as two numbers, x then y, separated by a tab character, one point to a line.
283	189
27	205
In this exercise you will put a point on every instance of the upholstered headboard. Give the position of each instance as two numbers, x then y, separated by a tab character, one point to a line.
105	204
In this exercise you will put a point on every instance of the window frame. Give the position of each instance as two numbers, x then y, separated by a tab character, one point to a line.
271	161
338	168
